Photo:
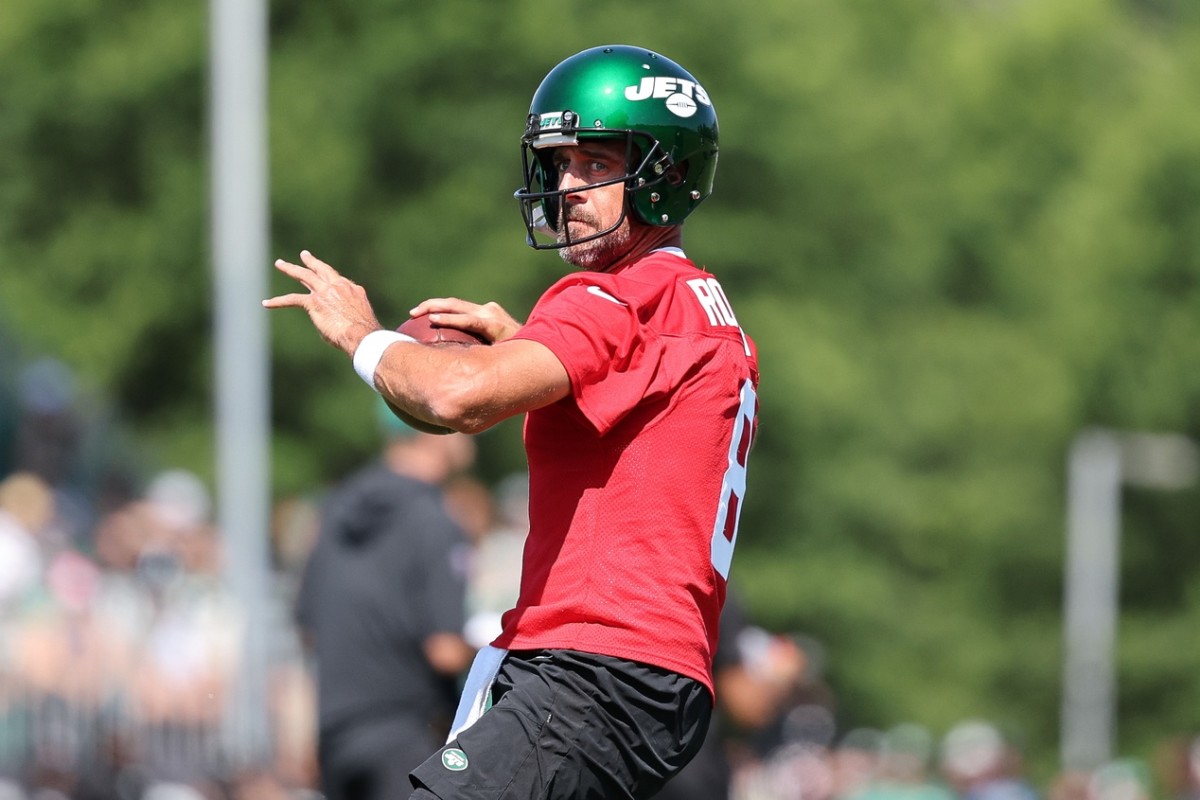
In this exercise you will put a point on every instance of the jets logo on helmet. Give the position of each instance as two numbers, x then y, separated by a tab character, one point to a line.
681	105
661	112
681	96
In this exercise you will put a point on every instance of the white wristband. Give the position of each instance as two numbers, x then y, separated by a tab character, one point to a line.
369	352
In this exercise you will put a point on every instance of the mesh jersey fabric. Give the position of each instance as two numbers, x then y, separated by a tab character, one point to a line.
628	474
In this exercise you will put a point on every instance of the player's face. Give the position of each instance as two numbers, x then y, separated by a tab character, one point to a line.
586	213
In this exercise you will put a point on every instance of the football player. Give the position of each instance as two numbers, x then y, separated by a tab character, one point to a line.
638	388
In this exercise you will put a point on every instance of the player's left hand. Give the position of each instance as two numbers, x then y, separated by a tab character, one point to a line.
489	320
337	306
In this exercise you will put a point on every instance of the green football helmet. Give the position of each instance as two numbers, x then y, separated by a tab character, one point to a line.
655	106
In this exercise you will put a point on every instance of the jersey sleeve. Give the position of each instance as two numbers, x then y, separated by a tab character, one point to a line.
614	360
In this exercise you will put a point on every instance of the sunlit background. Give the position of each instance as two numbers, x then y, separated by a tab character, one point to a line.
964	233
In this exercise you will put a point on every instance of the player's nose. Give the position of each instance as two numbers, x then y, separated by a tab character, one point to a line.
569	182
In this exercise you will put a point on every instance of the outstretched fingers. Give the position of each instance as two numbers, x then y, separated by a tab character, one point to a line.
286	301
337	306
318	267
299	273
295	300
313	272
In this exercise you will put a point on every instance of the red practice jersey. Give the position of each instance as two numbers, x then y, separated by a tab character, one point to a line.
637	478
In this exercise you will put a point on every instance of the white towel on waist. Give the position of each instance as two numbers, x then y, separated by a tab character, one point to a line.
476	694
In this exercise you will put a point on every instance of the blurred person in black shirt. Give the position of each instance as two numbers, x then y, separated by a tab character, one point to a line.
381	604
750	693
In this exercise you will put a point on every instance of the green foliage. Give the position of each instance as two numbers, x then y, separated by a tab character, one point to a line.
959	232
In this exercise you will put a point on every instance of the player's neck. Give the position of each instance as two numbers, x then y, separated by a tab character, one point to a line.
651	239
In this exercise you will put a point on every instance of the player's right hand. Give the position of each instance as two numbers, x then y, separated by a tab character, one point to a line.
337	306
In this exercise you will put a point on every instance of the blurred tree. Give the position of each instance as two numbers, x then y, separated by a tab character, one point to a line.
960	232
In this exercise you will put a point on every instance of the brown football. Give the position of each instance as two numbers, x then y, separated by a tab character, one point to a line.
418	424
424	331
421	329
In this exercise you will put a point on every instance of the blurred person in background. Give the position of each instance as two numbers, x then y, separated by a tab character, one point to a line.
469	503
26	511
784	722
191	633
979	763
495	580
1177	767
854	761
750	690
382	604
780	693
905	768
49	442
66	660
1070	784
296	523
1120	779
49	432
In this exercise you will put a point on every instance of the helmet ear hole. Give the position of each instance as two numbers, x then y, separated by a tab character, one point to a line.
677	174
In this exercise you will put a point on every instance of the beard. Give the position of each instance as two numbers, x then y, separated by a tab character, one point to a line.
597	254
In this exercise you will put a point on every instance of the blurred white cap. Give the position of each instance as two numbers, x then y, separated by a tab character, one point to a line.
972	748
180	499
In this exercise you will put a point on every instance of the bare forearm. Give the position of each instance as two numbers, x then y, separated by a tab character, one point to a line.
466	389
469	389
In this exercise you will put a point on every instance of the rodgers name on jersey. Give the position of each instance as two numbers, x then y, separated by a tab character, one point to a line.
716	305
713	300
